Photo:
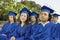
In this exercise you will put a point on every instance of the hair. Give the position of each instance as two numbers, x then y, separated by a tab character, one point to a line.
26	22
13	19
36	20
50	16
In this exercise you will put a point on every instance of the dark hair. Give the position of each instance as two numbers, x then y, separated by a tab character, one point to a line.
36	20
13	19
26	22
50	16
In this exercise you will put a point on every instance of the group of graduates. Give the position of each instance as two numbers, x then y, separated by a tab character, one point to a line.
28	26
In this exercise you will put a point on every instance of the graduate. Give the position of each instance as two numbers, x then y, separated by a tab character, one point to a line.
55	21
23	26
48	28
34	18
55	18
34	25
9	27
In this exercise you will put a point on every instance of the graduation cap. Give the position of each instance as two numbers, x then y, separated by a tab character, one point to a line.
25	10
56	15
10	13
47	9
34	14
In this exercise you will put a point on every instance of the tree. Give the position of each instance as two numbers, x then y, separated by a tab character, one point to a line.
11	5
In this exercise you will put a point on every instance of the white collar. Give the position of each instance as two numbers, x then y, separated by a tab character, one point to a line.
44	24
56	23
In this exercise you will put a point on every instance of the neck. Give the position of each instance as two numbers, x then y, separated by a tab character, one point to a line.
43	22
11	22
55	22
23	23
33	22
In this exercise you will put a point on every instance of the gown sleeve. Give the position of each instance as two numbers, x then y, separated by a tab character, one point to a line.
54	32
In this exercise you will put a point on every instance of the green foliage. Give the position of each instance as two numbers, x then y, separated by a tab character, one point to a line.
11	5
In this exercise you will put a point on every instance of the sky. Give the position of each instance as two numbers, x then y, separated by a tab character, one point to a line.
54	4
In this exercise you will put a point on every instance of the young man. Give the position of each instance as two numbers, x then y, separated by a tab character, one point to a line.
48	28
55	18
55	21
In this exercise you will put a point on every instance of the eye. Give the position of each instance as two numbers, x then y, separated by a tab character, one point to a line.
45	14
21	15
24	16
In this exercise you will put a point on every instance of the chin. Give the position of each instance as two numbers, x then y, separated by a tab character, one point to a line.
43	20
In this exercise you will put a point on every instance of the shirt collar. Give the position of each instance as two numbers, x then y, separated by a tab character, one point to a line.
45	23
56	23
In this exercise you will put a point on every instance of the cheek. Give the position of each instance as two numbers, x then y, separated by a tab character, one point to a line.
40	17
21	17
12	19
25	18
32	18
55	19
46	17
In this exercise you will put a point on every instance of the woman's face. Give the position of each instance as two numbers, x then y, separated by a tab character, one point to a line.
11	18
44	16
33	18
23	17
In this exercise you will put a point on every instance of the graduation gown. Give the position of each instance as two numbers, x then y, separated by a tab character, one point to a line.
34	30
22	33
58	31
7	30
48	32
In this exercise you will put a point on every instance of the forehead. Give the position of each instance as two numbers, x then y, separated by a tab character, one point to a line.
54	17
23	14
44	13
10	16
32	16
